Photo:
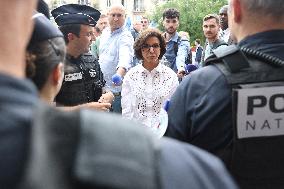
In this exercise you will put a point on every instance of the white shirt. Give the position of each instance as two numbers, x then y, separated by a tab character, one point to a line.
144	93
225	35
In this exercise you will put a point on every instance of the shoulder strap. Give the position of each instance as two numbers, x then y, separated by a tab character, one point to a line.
219	43
238	68
176	44
233	58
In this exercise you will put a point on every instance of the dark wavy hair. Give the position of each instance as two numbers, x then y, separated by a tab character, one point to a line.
171	13
42	58
143	36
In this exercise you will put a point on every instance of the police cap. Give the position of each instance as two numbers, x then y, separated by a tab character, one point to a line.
42	7
43	29
75	14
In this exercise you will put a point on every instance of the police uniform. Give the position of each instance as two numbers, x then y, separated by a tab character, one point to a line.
43	147
83	79
201	114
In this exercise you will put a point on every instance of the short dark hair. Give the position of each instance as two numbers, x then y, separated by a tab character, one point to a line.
70	28
42	58
171	13
143	36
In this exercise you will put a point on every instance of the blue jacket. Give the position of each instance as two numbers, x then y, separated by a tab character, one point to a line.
200	111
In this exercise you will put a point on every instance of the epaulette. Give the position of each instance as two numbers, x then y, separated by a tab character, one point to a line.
232	57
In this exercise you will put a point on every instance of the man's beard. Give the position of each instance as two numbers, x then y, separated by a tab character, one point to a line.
171	32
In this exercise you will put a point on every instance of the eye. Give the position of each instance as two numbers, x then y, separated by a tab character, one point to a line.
155	46
118	15
146	46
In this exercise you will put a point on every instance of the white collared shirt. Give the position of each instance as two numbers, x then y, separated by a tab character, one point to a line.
144	93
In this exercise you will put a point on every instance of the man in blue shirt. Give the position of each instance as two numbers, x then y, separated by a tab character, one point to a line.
177	48
116	52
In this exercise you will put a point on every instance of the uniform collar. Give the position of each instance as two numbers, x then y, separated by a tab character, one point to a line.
267	37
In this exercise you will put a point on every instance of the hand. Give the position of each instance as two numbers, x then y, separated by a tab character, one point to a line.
97	106
106	97
180	74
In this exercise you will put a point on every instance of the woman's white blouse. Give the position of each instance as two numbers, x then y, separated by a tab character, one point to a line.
144	93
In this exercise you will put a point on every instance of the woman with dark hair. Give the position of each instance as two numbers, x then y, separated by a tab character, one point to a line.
44	57
148	85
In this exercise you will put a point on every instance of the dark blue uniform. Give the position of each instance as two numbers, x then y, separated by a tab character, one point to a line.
45	148
17	99
83	81
200	111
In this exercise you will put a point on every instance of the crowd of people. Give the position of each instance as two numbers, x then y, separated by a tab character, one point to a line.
224	101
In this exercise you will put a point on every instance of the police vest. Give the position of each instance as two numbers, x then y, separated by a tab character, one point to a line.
83	81
256	155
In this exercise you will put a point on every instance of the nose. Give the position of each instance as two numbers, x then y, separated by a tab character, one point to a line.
207	29
151	49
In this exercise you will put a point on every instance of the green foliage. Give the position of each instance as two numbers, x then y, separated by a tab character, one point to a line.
191	14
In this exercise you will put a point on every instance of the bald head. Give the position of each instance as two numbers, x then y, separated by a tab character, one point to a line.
248	17
223	13
116	16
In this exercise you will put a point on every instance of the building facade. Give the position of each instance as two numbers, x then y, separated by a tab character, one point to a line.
135	9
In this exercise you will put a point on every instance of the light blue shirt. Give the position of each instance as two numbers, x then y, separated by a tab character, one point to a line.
177	61
116	50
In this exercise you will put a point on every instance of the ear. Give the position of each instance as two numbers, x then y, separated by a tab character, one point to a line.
70	36
57	74
237	11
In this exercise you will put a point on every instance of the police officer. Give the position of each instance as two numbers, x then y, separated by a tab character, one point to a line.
46	148
83	80
201	109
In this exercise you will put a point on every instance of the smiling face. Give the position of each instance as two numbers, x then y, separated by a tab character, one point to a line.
151	51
